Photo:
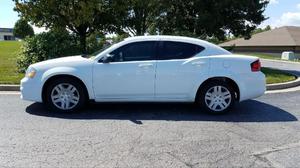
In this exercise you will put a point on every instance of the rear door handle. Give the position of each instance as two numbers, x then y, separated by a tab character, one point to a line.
146	65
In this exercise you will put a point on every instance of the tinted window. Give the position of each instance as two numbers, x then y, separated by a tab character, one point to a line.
178	50
139	51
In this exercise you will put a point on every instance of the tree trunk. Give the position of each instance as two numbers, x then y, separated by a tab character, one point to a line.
83	43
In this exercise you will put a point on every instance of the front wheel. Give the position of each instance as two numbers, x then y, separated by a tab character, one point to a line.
217	97
65	95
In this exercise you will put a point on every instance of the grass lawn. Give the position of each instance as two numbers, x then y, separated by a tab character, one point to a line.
8	65
277	76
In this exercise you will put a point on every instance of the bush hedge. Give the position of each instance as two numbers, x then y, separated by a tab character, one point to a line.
45	46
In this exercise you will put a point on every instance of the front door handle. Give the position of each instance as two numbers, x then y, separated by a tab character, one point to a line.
198	63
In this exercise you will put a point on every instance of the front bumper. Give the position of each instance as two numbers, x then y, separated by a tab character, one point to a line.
31	90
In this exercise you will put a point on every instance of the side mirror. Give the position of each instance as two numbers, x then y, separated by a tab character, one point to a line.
107	59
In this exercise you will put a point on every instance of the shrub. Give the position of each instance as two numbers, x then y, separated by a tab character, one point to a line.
57	43
230	48
45	46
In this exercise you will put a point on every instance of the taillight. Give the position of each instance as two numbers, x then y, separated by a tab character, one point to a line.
256	66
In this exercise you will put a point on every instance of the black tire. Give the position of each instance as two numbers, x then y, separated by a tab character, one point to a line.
66	80
206	88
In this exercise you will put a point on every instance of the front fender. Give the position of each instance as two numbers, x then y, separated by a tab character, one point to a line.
84	75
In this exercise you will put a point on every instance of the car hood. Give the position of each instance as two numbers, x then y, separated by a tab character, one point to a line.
63	61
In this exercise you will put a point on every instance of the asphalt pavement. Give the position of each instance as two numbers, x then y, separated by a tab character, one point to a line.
264	132
293	67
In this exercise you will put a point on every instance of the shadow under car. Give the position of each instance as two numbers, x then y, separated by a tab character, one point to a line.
248	111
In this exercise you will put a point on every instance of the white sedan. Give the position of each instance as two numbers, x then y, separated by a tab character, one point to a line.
147	69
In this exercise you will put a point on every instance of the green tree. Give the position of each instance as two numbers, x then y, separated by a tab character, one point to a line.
207	19
22	29
82	17
140	16
210	18
260	30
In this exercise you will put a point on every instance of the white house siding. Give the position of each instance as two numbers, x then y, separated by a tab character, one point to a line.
6	34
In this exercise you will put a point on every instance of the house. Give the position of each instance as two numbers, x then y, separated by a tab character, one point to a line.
6	34
274	42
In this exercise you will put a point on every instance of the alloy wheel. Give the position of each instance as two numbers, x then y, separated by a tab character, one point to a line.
218	98
65	96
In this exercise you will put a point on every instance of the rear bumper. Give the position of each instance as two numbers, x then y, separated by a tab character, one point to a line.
253	85
31	90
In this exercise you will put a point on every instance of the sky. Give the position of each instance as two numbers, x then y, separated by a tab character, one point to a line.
8	16
279	12
282	13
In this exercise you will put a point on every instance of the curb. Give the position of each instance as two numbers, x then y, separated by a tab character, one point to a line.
287	85
9	87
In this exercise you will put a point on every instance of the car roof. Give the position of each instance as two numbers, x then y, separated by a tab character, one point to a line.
167	38
210	49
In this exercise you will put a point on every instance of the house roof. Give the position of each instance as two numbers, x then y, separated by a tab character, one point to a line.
283	36
6	30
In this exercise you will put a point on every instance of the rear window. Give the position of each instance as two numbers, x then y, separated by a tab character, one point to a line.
178	50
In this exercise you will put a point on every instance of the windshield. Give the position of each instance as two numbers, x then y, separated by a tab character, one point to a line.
106	46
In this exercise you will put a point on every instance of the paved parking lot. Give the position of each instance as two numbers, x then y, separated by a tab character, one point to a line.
259	133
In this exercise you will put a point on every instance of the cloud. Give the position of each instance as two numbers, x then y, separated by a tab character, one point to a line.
288	19
298	5
274	1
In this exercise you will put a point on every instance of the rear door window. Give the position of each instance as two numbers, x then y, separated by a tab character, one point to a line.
178	50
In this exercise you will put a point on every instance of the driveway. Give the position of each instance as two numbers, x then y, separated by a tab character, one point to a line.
283	65
264	132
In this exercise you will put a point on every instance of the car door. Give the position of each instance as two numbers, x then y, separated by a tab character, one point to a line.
129	76
178	70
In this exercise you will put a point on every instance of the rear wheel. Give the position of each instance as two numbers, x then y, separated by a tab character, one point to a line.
216	97
65	95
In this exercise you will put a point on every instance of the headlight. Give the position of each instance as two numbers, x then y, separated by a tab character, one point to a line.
30	73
